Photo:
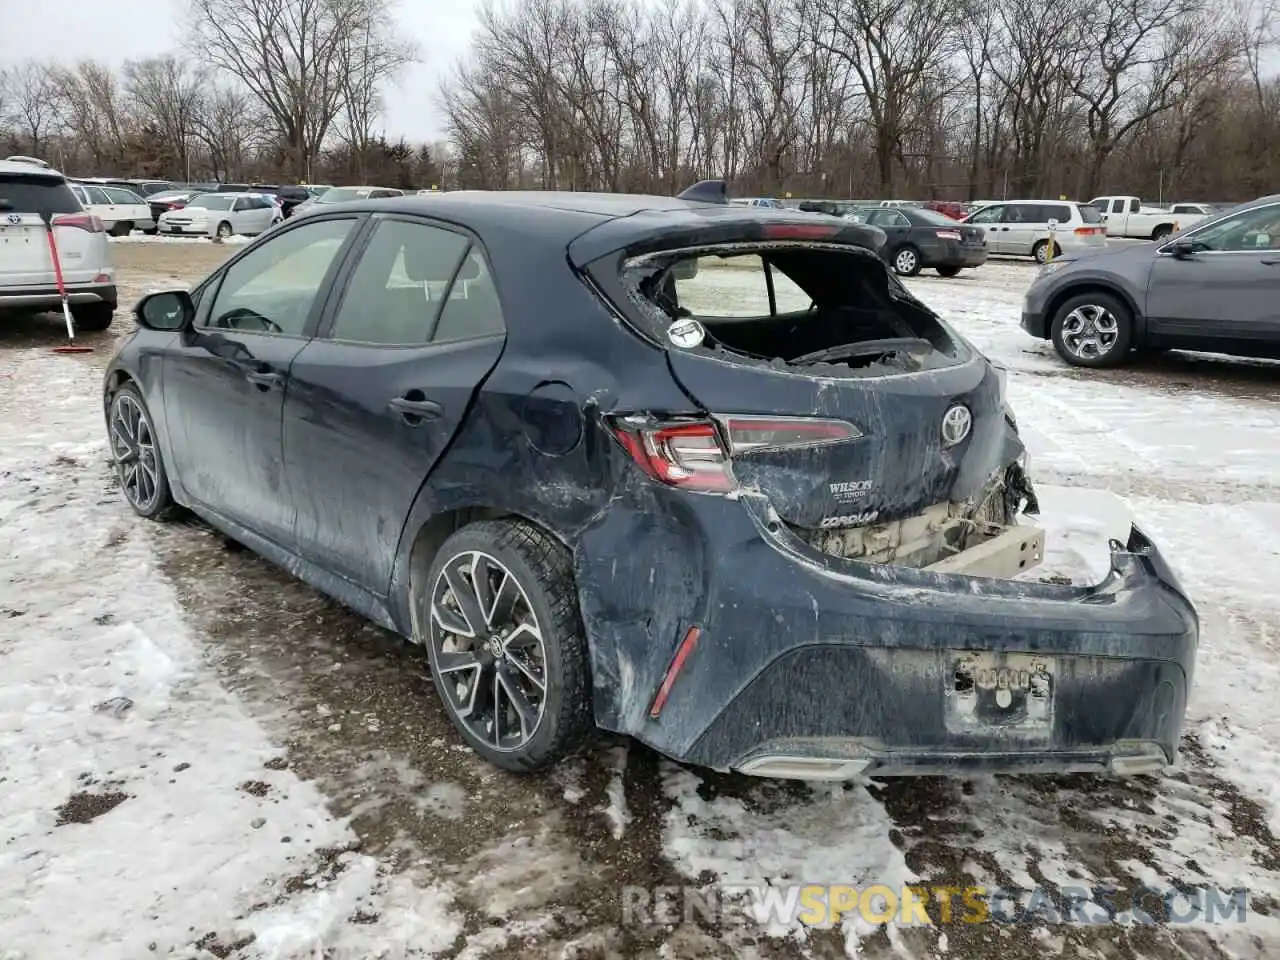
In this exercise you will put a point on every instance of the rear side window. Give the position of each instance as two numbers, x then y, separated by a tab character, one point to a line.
738	287
394	295
24	193
1089	213
1059	212
116	195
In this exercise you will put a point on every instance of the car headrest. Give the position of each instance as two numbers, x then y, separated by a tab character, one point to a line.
429	261
470	269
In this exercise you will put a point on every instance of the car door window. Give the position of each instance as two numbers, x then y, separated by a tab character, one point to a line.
988	215
1134	205
473	309
116	195
272	288
1056	212
97	195
1256	229
240	205
397	288
80	195
889	218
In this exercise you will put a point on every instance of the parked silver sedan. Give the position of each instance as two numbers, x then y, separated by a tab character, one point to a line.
221	215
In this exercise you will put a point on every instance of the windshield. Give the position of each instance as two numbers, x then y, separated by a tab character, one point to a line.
212	201
339	194
1089	213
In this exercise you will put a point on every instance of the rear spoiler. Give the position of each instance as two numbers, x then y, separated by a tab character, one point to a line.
706	191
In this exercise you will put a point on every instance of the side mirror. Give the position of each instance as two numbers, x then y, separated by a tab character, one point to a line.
165	310
1183	249
685	269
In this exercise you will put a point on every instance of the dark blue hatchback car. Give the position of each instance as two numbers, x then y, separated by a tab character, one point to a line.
702	474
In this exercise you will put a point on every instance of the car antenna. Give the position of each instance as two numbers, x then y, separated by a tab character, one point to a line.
71	346
707	191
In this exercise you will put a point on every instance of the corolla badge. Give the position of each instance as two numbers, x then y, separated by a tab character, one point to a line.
956	424
686	332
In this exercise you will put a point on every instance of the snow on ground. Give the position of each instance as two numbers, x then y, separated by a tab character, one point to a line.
136	794
139	237
142	797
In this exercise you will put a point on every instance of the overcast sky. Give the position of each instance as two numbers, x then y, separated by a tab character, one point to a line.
118	30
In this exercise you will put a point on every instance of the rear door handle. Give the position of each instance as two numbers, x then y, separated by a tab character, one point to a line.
264	379
414	408
1270	263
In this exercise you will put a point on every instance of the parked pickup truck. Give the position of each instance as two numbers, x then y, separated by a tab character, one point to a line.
1127	217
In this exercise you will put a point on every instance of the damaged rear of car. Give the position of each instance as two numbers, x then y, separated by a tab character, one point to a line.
818	568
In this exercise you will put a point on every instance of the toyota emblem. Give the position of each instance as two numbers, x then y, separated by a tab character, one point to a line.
956	424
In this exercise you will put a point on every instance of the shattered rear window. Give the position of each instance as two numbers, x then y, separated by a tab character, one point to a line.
831	309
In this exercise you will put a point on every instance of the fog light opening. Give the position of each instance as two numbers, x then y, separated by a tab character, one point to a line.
804	768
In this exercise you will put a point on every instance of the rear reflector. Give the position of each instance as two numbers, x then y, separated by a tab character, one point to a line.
696	454
798	231
683	651
948	234
81	221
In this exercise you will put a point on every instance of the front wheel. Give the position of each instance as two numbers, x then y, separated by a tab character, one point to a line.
135	451
1093	330
499	615
906	261
224	230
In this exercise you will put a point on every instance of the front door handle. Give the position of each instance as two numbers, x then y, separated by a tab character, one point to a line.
1270	263
264	380
414	408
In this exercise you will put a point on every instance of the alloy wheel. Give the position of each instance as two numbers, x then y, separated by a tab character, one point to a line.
488	649
905	261
1090	331
133	447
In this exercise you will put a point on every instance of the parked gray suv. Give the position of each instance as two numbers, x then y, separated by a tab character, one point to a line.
1215	287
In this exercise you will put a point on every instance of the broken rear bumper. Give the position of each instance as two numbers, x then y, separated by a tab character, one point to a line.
813	667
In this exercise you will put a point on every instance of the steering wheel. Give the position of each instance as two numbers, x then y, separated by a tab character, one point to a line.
244	318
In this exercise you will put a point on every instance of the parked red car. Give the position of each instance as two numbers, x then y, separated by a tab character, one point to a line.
948	208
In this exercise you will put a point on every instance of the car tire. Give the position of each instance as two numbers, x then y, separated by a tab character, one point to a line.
948	271
122	229
906	261
1161	232
224	230
151	231
135	453
1093	330
93	316
543	624
1041	251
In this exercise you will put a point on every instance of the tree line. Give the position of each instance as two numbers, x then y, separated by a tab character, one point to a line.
267	91
945	99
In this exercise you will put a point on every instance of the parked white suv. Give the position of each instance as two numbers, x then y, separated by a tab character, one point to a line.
1021	227
30	196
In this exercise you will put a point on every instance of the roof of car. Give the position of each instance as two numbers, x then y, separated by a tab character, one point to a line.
560	217
19	166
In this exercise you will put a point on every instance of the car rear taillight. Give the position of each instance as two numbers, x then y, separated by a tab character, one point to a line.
81	221
798	231
697	454
948	234
1087	231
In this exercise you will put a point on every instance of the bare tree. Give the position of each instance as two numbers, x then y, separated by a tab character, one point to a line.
168	94
32	104
288	54
368	56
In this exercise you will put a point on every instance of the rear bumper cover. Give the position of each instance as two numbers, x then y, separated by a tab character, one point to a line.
804	656
46	296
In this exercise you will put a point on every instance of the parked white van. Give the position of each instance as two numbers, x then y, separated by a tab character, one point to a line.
1021	227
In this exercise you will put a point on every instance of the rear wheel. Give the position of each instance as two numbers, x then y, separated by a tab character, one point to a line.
122	229
1162	231
136	455
948	271
93	316
224	230
498	613
1093	330
1041	251
906	261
